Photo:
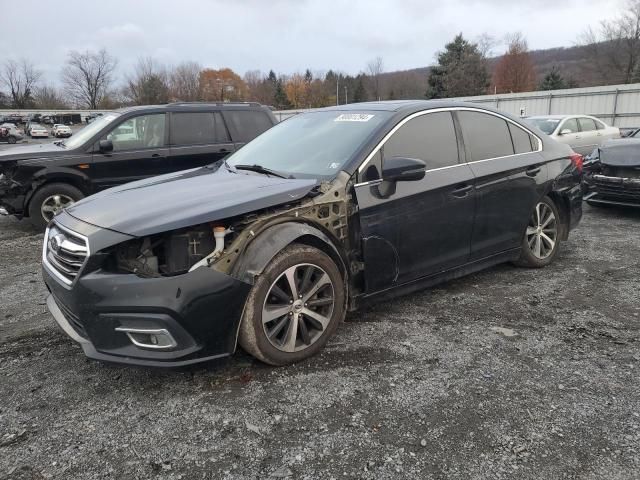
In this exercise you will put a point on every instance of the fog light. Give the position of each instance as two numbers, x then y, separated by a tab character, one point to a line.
157	338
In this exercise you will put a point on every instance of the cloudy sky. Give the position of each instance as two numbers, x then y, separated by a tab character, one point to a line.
284	35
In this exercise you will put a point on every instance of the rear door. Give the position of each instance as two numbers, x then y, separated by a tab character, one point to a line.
139	151
591	138
414	229
245	125
509	174
198	139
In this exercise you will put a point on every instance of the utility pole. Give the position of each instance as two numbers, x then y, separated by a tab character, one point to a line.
346	99
337	91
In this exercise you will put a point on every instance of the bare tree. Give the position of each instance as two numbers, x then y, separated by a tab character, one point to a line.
486	44
20	77
88	76
149	83
184	82
49	97
515	71
615	45
375	68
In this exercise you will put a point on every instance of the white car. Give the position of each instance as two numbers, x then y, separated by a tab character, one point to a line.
581	132
38	131
60	130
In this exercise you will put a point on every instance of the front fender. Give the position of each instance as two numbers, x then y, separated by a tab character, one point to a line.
261	251
58	174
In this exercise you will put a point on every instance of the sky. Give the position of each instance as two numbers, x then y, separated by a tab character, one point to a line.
287	36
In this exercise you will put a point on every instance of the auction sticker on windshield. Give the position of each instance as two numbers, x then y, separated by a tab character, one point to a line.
354	117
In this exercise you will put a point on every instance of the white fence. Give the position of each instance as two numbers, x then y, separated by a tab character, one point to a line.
617	105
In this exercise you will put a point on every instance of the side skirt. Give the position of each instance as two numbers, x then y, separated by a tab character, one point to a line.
426	282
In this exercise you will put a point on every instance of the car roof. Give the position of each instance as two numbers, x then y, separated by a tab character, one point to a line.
402	105
194	106
560	117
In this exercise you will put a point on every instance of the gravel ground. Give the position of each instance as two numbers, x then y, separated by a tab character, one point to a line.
509	373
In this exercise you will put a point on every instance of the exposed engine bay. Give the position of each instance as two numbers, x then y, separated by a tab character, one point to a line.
219	244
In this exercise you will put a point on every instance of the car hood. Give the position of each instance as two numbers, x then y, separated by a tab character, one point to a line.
31	151
623	152
186	198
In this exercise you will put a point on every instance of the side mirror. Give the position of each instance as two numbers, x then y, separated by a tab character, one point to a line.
565	131
105	146
400	169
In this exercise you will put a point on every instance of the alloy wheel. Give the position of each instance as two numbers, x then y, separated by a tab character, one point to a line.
298	307
54	204
542	231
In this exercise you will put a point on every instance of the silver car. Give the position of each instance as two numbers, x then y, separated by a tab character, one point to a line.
581	132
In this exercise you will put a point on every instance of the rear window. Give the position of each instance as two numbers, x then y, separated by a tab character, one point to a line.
197	128
522	141
246	125
485	136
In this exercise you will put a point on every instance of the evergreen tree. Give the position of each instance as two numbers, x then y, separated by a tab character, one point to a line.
461	71
553	80
280	100
360	93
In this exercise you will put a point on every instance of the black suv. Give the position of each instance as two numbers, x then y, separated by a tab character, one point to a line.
38	181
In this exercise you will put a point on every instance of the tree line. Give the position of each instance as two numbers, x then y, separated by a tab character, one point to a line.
463	68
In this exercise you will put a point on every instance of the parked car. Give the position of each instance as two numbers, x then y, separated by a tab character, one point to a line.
60	130
320	214
120	147
9	133
581	132
37	130
612	173
28	125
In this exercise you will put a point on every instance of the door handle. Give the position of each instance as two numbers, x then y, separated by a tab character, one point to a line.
223	150
156	155
462	191
533	171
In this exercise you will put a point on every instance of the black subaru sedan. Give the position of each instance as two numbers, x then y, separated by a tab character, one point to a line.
328	210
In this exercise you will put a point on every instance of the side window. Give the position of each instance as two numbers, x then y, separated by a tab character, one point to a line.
571	125
246	125
522	141
485	136
587	124
430	137
600	125
145	131
193	128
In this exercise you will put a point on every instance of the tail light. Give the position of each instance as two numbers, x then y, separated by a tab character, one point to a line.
577	161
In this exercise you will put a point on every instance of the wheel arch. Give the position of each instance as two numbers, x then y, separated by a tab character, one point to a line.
268	243
59	175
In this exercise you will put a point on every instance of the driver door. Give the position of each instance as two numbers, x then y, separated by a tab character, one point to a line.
139	151
414	229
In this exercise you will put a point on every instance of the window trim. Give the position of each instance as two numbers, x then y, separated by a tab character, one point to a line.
448	109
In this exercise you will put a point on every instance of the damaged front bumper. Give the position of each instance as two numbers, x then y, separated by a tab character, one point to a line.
12	197
611	190
165	321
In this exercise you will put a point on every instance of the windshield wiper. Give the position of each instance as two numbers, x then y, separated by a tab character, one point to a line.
261	169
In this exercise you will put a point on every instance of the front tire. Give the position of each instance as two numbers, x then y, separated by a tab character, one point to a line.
49	200
11	140
294	307
542	236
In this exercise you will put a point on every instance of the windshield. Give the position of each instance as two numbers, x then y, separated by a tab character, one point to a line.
310	145
90	130
547	125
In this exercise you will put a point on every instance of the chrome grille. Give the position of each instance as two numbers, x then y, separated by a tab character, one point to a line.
64	253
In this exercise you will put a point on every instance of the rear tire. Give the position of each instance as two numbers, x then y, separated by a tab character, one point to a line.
282	324
49	200
541	240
